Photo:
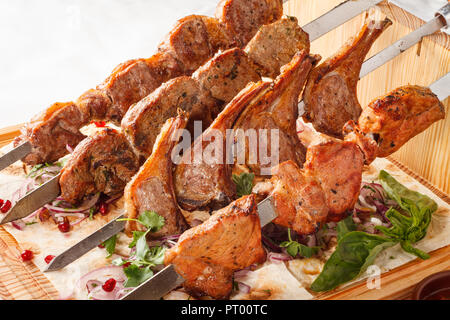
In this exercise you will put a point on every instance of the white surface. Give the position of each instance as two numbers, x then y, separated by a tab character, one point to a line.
54	50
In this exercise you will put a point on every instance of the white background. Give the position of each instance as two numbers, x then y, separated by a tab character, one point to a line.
54	50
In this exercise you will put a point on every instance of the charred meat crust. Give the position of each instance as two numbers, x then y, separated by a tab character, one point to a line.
104	163
207	255
152	187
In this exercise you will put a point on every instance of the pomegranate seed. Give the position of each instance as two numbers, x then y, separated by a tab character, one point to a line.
1	202
27	255
101	246
126	265
109	285
44	214
48	259
5	208
103	209
100	124
64	226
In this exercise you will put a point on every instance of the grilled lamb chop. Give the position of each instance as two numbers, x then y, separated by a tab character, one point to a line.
104	163
202	96
152	187
206	182
193	40
330	93
275	44
143	122
244	17
219	80
278	110
388	122
207	255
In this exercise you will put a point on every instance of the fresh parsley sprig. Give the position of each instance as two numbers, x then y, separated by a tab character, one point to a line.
138	266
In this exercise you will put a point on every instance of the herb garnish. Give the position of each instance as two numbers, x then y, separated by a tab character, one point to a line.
356	250
110	245
294	248
139	265
244	183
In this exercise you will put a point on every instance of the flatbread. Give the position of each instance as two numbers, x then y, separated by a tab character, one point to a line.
271	280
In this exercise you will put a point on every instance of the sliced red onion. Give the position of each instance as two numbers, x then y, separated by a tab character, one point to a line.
112	199
269	244
244	288
122	292
102	274
278	257
92	284
69	148
242	273
18	224
83	208
78	221
312	240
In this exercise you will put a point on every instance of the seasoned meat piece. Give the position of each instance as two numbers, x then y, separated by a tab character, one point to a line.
244	17
104	162
203	177
152	187
337	166
275	44
207	255
330	93
365	142
396	117
226	74
189	43
51	131
298	199
277	112
143	122
219	37
135	79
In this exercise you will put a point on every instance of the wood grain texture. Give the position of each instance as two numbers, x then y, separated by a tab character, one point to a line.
428	153
18	279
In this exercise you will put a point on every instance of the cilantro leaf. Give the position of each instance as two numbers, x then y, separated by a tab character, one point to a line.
110	245
136	236
153	221
244	183
136	275
294	248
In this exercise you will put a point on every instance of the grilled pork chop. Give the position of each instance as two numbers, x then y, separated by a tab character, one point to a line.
206	182
388	122
152	187
277	110
104	162
193	40
207	255
298	199
330	92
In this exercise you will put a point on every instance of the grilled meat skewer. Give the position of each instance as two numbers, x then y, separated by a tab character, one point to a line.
330	93
152	186
192	41
206	183
212	86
